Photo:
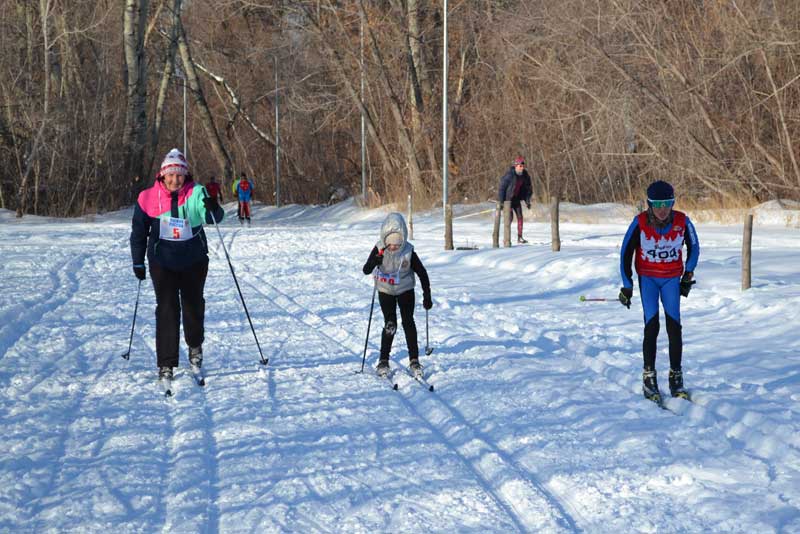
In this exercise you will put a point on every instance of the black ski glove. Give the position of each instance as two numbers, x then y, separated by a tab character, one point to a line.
139	271
379	258
687	283
528	204
211	204
427	303
625	294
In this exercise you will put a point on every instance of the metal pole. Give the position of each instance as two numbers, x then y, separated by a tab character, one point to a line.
444	117
363	122
277	142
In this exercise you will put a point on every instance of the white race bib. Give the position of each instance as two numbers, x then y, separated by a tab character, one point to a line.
387	278
661	250
175	229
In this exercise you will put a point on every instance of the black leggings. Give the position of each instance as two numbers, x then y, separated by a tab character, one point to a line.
675	334
516	209
176	289
389	305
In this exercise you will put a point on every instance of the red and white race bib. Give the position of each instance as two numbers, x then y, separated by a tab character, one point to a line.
175	229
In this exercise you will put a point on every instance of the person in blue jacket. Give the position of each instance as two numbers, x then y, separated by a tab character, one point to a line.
167	226
515	186
655	239
244	190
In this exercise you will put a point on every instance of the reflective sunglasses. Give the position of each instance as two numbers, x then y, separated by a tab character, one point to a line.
662	203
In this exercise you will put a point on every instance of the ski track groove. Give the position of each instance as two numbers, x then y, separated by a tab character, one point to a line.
74	412
557	511
754	440
64	287
183	447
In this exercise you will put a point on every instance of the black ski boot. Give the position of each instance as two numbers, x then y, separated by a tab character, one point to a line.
383	368
521	240
165	373
650	386
415	367
196	358
676	388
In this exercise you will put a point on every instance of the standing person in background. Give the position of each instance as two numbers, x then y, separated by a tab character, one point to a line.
214	189
244	190
656	237
515	185
168	226
394	263
235	188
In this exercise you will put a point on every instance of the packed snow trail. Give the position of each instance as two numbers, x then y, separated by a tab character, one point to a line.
537	422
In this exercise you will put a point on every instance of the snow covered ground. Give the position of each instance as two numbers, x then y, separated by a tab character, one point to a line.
537	423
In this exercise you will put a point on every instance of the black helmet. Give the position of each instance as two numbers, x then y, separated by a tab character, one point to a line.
660	190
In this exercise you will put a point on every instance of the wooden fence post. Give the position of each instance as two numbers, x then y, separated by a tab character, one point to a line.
747	241
554	234
448	227
507	223
496	229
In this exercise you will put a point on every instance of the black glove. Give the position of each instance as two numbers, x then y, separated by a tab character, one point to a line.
528	203
427	303
379	258
211	204
625	294
139	271
686	283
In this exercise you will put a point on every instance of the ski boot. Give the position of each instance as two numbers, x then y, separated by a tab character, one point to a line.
676	388
196	358
521	240
383	368
650	386
165	373
415	367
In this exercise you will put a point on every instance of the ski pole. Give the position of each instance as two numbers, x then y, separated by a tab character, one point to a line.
428	348
127	355
369	325
235	281
583	298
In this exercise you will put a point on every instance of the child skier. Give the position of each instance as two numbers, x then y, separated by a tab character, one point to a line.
656	237
394	263
244	191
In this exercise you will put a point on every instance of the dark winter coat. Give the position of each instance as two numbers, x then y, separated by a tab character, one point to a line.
157	203
508	186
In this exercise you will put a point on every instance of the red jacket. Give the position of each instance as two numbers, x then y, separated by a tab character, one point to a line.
214	190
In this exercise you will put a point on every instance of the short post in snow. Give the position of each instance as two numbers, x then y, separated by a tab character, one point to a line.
507	223
496	230
448	227
747	241
554	235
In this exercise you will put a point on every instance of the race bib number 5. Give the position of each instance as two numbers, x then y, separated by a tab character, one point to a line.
175	229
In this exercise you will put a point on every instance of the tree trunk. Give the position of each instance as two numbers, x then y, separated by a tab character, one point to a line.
30	161
404	137
221	154
135	133
166	78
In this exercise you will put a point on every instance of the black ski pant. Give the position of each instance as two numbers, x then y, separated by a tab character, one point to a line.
389	304
516	209
178	291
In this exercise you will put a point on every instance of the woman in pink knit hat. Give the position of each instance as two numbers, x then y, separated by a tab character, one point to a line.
167	227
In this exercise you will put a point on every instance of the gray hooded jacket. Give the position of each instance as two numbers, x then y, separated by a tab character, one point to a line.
394	276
